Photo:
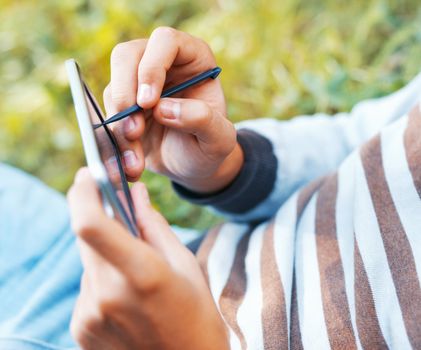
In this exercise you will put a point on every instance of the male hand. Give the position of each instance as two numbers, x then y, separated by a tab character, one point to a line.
188	138
137	293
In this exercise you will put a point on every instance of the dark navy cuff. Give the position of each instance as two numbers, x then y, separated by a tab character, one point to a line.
253	184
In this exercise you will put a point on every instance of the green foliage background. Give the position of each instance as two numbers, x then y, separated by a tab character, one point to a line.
279	59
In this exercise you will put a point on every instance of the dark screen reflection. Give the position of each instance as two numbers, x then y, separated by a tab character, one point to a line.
110	156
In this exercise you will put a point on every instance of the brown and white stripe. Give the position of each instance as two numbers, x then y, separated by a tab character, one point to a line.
332	279
284	228
338	266
369	331
374	259
395	241
411	219
233	293
252	305
205	249
219	263
412	144
310	307
274	308
302	201
344	217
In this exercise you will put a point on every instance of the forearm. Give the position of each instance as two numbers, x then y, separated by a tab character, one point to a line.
253	184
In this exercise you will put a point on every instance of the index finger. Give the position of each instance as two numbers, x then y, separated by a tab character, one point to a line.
124	62
167	47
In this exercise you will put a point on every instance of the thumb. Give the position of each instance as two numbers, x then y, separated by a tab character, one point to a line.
216	133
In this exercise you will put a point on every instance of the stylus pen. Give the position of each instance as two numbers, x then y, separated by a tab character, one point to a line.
211	73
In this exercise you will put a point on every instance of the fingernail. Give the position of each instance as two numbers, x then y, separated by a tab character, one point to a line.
170	109
111	165
129	124
144	93
130	159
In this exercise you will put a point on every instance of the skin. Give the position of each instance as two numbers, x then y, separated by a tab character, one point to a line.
137	293
130	285
188	138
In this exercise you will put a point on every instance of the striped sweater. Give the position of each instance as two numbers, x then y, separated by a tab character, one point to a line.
323	246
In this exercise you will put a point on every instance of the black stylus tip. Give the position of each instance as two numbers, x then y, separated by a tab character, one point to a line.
215	72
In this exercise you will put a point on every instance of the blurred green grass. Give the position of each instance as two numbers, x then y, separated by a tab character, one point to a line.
279	59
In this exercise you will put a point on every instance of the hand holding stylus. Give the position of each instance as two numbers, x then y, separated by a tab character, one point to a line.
188	138
211	73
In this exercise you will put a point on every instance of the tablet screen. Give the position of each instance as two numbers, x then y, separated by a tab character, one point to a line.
110	155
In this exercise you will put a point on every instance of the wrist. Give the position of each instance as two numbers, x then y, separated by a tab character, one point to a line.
222	177
251	186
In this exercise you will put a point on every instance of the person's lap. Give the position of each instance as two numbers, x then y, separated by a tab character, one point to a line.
40	267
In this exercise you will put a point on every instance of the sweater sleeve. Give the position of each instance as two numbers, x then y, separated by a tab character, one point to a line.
282	156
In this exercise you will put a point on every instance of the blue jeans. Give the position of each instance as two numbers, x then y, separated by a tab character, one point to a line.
40	268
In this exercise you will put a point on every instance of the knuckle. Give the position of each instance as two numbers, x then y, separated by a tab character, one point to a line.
206	112
75	330
205	46
150	73
164	31
118	131
109	305
126	48
111	301
230	140
205	51
106	95
150	283
85	227
223	149
204	116
82	327
119	51
119	97
78	330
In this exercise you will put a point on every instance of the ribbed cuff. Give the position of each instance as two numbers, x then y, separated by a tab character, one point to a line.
252	185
